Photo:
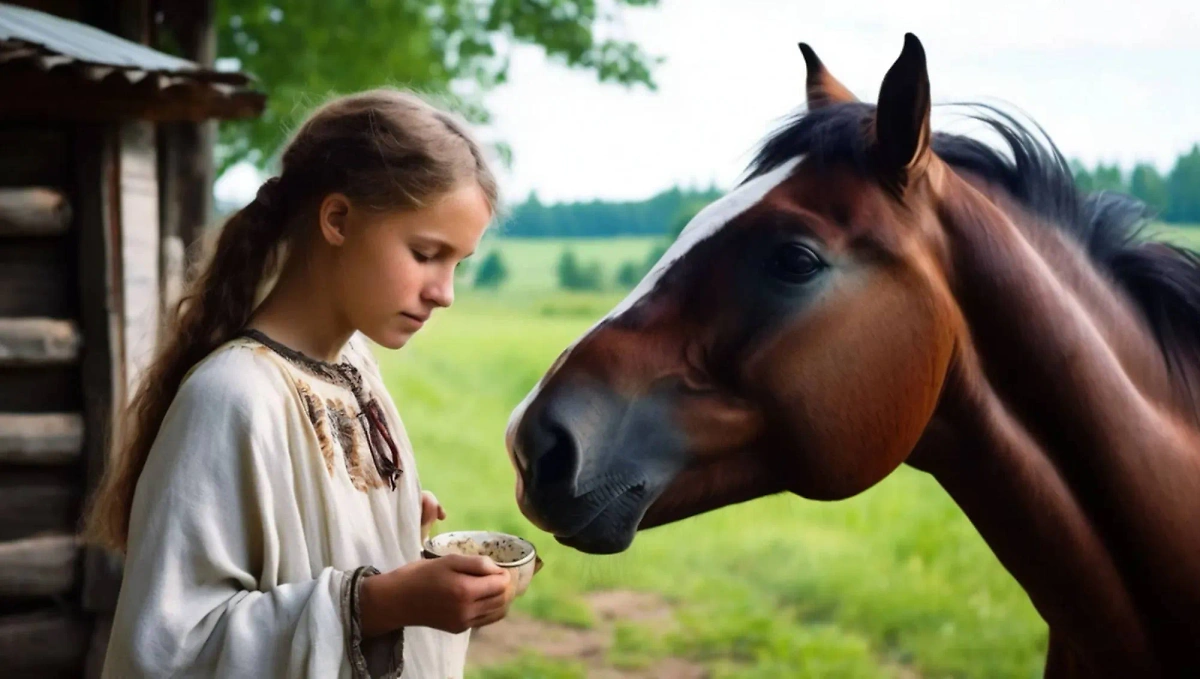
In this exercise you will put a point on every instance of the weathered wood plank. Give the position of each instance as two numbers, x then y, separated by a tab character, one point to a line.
40	389
38	503
40	566
34	154
33	211
100	318
37	277
140	248
98	648
59	96
40	439
38	341
48	644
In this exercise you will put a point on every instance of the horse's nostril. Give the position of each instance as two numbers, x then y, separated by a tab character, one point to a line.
556	465
551	455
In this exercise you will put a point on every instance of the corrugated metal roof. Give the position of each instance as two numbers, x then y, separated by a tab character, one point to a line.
56	61
81	42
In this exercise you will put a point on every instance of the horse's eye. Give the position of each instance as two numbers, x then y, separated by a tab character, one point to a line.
795	263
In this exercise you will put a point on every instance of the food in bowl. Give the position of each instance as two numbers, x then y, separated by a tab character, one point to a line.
508	551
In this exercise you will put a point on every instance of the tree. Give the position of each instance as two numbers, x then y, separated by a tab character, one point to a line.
1083	178
599	218
1148	186
303	51
1183	188
573	276
492	272
630	274
1108	178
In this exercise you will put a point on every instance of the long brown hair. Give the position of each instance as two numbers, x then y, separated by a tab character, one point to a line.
384	149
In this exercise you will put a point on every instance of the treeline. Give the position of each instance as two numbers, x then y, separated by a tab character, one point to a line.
600	219
1174	197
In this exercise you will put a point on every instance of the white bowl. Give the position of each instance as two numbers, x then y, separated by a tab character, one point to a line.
508	551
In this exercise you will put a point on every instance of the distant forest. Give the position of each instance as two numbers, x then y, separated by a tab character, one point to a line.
1174	197
655	216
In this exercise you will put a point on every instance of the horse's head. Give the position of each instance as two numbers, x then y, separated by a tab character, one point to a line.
794	338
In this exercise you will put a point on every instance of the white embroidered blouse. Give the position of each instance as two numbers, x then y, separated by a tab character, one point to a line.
266	497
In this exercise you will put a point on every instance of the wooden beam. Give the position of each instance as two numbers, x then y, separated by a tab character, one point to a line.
40	439
36	502
98	222
187	167
40	389
140	249
64	95
36	277
40	566
33	211
48	643
33	154
98	648
38	341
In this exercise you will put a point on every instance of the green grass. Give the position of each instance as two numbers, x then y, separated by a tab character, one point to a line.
778	587
532	262
1183	234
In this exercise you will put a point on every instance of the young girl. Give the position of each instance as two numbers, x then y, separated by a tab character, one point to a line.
265	494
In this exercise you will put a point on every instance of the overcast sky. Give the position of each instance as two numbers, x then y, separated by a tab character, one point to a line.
1107	80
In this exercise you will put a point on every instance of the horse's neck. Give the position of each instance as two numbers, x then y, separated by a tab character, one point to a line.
1057	436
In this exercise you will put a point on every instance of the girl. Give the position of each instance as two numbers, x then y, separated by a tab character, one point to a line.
266	496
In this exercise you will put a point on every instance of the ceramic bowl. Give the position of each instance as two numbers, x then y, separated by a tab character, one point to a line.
508	551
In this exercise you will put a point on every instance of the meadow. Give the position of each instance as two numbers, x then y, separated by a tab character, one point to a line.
894	582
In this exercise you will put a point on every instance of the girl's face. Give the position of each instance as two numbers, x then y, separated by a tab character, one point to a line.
392	269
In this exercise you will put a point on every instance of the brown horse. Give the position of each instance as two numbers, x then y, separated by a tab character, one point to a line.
874	294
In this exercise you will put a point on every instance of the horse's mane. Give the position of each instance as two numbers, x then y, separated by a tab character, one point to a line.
1163	280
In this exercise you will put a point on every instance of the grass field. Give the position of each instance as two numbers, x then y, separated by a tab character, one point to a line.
532	262
894	582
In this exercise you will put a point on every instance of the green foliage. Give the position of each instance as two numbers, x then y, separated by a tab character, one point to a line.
1183	188
532	666
655	216
635	646
1108	178
492	272
630	274
1148	186
303	51
574	276
1174	198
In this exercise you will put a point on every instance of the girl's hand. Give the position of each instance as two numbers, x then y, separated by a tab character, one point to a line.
452	593
431	512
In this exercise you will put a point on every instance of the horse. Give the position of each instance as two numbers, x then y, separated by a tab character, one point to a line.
874	294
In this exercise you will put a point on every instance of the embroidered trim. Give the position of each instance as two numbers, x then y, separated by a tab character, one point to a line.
370	413
352	614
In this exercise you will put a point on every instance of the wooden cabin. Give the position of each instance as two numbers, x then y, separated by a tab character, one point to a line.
105	173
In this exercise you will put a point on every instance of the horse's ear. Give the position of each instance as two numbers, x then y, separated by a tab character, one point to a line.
902	131
822	88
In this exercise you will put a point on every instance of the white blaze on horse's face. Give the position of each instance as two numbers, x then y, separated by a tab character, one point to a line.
705	224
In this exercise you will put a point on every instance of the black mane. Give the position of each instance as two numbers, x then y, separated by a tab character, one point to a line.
1162	280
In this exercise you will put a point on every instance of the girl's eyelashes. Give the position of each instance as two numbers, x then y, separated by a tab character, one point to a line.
421	257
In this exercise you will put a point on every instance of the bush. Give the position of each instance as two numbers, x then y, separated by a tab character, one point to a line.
573	276
630	274
492	272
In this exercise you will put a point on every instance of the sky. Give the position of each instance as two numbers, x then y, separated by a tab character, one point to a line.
1108	81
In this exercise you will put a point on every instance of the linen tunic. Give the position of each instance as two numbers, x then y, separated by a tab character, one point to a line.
260	508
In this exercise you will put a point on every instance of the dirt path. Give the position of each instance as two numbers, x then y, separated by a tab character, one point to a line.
505	640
